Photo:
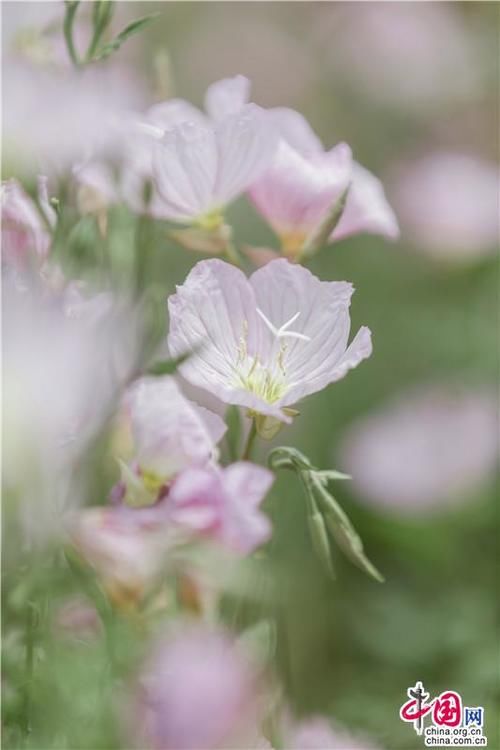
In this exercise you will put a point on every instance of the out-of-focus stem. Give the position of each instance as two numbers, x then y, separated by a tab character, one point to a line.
29	661
69	19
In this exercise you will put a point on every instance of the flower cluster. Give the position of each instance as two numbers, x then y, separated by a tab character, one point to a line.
156	502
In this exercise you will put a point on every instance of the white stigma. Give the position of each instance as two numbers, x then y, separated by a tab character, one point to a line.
282	332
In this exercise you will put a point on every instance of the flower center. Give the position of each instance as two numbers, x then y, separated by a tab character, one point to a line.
266	379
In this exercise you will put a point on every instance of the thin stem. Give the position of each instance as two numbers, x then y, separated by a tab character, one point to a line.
69	18
29	662
250	442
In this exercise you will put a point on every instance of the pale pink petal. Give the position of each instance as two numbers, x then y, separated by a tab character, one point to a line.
246	485
246	143
169	432
173	112
296	192
282	290
185	168
367	209
211	313
24	234
227	97
196	500
198	673
296	131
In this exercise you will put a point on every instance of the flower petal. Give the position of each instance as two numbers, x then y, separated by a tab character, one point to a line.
297	191
296	131
227	97
170	433
367	209
246	143
185	168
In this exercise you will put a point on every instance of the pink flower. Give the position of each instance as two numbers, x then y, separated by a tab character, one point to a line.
265	342
198	170
319	734
25	237
170	433
199	163
198	691
223	504
127	555
304	182
425	449
449	204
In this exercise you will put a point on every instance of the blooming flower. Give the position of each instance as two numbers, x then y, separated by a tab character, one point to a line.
304	183
448	203
169	432
198	690
197	163
428	447
264	342
25	237
199	169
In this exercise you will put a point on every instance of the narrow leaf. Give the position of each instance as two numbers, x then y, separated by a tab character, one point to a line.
133	28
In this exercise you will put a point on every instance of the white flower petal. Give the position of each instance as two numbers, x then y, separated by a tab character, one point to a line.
227	97
296	131
367	209
185	167
246	143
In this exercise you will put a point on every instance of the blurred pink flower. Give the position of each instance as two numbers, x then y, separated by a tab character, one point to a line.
319	734
63	363
427	448
416	56
304	182
53	119
197	691
223	504
128	556
170	433
25	236
448	203
268	341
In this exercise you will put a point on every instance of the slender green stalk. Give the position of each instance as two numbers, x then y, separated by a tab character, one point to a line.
250	442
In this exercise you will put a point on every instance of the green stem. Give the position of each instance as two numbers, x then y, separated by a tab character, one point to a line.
29	662
69	18
250	442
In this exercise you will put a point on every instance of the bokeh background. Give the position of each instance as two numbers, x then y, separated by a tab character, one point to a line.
413	88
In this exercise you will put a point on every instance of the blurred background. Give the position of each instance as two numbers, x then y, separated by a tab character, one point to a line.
413	88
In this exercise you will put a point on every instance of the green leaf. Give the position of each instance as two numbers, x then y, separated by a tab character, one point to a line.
133	28
234	431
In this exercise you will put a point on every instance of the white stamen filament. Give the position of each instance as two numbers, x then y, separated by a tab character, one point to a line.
282	332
